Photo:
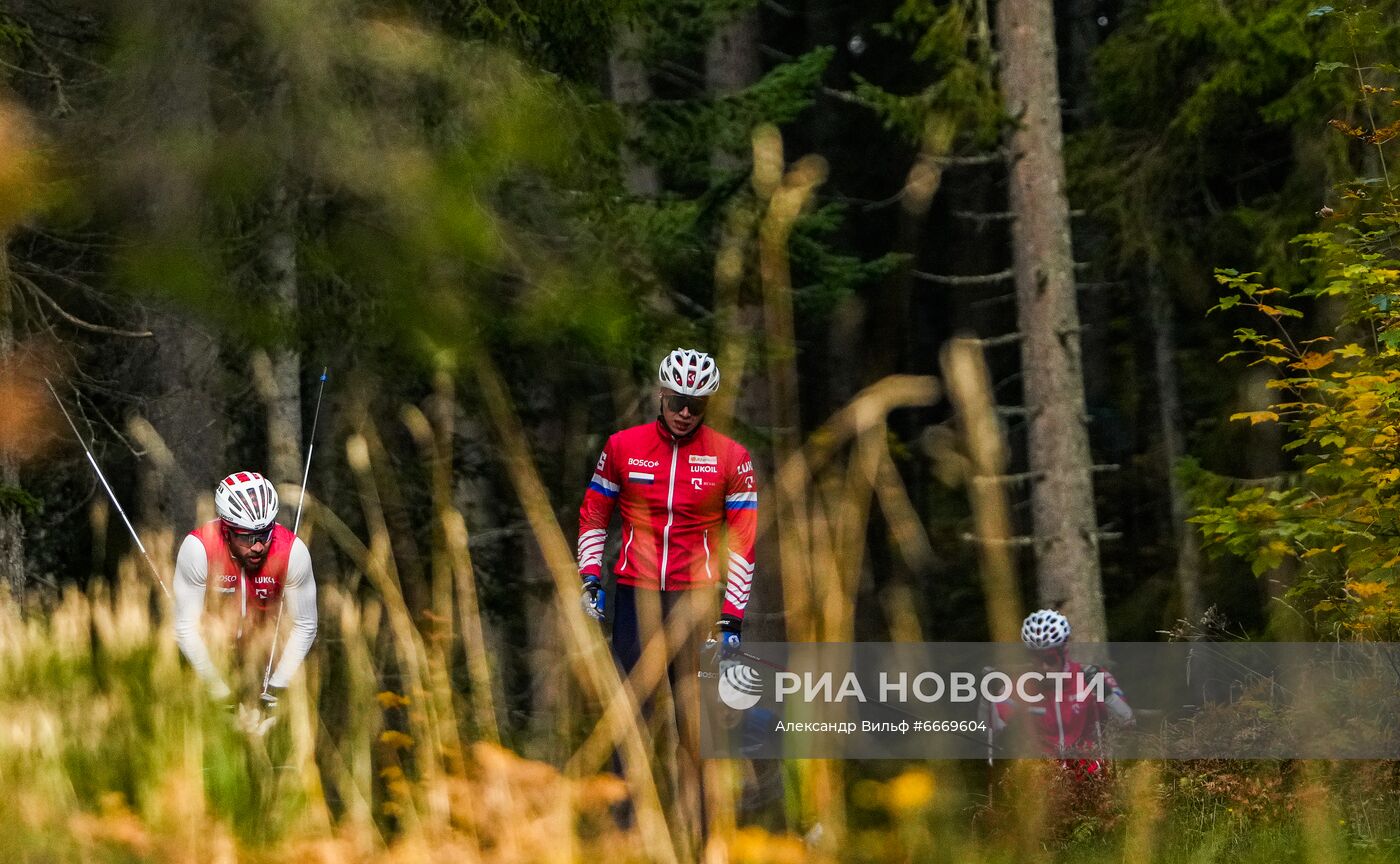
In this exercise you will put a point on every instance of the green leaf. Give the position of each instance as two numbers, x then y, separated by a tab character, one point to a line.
1320	11
1330	66
17	498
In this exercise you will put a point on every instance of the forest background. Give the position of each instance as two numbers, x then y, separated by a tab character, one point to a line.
490	220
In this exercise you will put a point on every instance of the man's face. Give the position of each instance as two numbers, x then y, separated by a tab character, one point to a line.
1049	659
249	548
682	413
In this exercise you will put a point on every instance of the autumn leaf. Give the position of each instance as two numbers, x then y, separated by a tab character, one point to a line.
1313	360
395	740
1383	134
1365	402
1366	589
1256	417
1342	125
389	699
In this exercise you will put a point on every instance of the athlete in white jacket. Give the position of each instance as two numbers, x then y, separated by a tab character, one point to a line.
250	565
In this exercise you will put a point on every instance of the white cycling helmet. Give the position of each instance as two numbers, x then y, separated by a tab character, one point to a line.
1045	629
689	373
246	501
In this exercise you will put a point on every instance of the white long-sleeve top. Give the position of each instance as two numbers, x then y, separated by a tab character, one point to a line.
298	595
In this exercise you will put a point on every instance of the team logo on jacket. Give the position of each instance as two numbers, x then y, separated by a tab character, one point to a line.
704	460
643	463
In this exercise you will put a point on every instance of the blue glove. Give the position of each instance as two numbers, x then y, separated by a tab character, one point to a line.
729	638
593	597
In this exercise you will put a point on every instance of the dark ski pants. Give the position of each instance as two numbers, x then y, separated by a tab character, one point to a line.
657	639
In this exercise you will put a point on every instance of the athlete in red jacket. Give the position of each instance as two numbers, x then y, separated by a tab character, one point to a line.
689	512
1073	724
686	493
242	565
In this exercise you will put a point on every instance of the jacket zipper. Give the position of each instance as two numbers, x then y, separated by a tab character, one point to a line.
670	514
705	538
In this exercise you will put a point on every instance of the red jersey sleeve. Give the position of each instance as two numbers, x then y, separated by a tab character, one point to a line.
593	516
741	517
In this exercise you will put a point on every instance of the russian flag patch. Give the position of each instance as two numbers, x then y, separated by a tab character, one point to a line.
639	477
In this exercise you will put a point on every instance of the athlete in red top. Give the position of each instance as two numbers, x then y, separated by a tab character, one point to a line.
1074	722
249	564
687	496
689	512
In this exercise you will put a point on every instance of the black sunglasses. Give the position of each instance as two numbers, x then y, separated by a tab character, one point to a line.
677	403
251	537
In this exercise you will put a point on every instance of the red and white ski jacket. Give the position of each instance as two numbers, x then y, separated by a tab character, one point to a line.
205	566
1072	723
689	509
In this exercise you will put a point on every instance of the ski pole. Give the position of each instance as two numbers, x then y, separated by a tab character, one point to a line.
991	743
110	494
310	448
306	474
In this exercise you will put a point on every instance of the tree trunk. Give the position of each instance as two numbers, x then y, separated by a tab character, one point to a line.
731	65
284	444
630	87
11	526
174	120
1062	501
1188	547
187	411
